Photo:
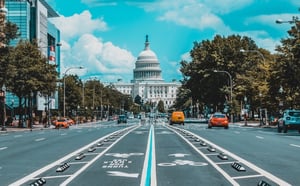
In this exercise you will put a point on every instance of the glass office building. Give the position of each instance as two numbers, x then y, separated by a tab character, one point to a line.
32	19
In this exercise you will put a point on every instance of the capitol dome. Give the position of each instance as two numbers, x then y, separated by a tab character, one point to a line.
147	67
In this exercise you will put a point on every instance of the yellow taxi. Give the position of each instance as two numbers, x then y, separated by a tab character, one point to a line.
177	117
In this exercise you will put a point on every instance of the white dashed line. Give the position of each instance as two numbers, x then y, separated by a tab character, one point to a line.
3	148
40	139
259	137
295	145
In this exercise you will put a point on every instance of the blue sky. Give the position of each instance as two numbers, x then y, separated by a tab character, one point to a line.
106	36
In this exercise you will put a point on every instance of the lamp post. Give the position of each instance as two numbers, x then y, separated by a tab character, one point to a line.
255	51
2	97
295	20
260	110
65	86
31	110
230	79
245	110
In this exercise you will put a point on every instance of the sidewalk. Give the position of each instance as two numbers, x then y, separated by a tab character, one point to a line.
253	124
15	129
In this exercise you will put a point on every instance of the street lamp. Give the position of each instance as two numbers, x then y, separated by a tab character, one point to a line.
230	78
294	20
65	86
245	110
255	51
2	97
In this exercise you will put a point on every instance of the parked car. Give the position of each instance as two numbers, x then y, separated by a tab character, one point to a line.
290	120
62	123
177	117
70	121
218	120
122	119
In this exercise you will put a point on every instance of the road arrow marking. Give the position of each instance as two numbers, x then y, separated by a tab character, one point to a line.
122	174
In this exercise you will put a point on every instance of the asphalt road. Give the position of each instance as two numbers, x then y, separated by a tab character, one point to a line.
151	154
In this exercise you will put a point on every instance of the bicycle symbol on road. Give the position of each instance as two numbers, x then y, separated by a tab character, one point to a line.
182	162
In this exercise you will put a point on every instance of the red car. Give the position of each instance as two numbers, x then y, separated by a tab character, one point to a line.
62	123
218	120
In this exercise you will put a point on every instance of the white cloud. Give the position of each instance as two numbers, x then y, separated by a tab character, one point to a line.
190	13
226	6
81	48
98	58
78	24
186	57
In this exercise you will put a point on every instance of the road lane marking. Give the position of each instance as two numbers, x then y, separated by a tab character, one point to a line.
51	177
40	139
122	174
248	176
295	145
65	158
80	162
149	168
18	136
179	155
227	176
259	137
224	163
3	148
243	161
73	176
212	154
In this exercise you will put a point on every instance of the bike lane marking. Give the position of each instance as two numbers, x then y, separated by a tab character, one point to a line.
243	161
82	169
229	178
58	162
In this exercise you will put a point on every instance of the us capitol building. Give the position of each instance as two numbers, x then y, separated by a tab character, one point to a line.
147	81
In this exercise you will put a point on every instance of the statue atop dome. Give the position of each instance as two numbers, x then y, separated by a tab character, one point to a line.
147	43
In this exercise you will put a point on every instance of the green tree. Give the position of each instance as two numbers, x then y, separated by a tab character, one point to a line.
249	72
286	70
6	69
31	72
